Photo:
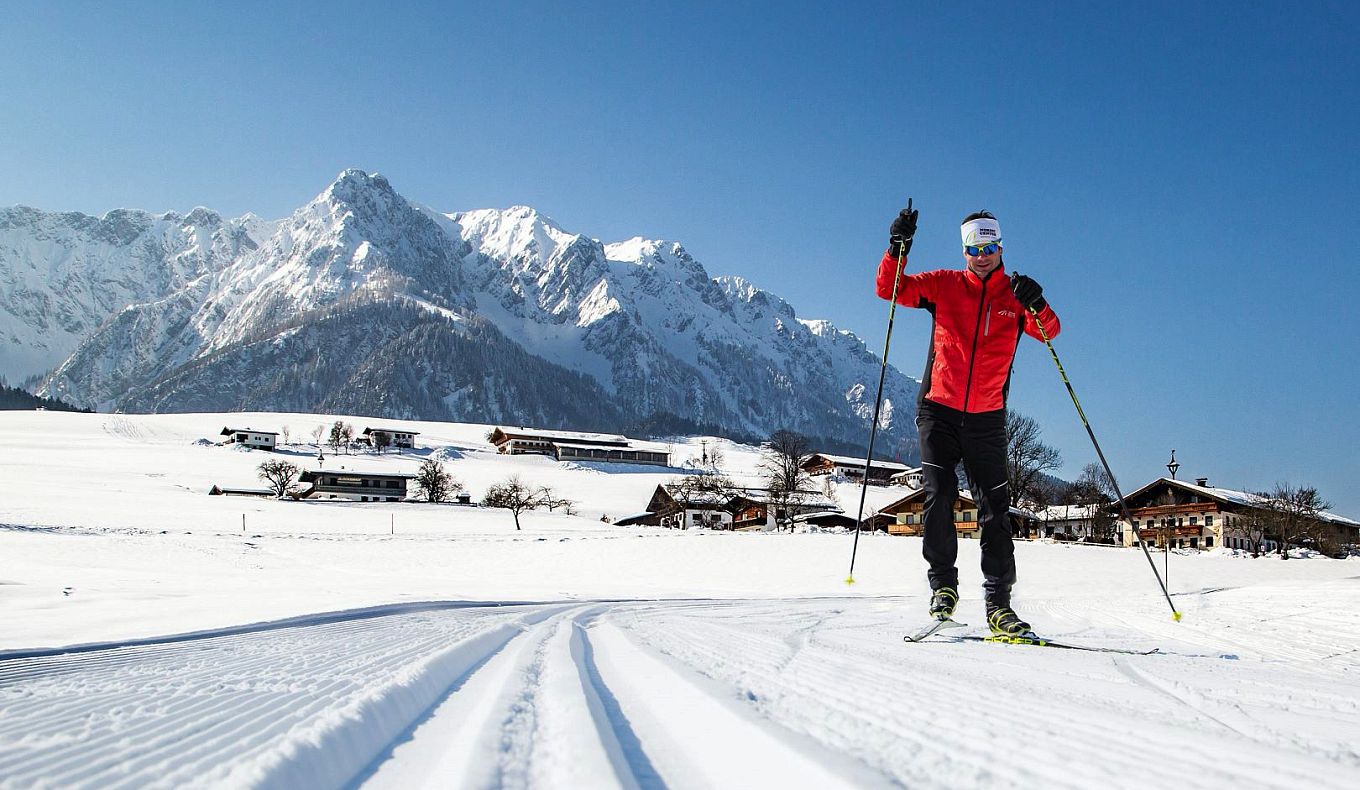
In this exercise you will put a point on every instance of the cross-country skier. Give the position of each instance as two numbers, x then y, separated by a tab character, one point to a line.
978	317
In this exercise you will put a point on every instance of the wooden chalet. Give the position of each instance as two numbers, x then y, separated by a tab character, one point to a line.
671	506
880	472
754	508
574	446
260	440
906	516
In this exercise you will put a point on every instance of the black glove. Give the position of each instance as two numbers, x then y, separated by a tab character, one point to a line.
1027	292
903	228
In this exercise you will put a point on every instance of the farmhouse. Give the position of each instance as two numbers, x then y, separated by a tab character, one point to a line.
674	506
1200	516
905	516
738	508
354	486
1075	523
575	446
260	440
756	508
397	437
880	472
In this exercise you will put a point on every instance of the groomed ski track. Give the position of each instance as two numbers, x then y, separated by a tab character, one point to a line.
677	693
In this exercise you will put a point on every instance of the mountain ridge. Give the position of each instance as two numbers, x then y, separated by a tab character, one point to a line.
638	327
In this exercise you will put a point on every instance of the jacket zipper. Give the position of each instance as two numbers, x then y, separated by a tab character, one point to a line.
972	358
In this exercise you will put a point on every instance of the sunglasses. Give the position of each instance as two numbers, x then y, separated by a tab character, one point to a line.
985	249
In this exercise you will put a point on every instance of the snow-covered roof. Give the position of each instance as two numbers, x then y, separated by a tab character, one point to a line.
407	431
566	437
233	431
635	446
309	475
1066	512
843	460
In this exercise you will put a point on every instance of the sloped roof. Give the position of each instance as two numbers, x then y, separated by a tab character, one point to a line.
368	431
564	437
230	431
844	460
308	475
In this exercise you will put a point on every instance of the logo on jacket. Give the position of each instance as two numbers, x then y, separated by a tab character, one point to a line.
1007	313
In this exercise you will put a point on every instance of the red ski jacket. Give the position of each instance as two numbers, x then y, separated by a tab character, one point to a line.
976	331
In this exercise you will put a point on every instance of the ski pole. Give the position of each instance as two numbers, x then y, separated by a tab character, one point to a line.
878	401
1123	508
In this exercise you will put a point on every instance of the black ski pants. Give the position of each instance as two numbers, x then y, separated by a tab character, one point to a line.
979	440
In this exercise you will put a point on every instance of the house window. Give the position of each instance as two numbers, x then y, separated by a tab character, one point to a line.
1209	542
1209	522
1194	521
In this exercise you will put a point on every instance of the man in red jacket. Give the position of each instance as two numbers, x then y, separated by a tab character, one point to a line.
979	316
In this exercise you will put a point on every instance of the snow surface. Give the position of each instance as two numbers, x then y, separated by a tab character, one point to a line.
146	640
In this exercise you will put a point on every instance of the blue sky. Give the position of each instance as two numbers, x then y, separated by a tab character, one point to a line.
1180	179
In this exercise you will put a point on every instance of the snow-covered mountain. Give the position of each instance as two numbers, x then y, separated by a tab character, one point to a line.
365	302
64	274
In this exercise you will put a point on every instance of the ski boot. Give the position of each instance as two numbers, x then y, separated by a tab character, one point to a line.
1007	626
942	603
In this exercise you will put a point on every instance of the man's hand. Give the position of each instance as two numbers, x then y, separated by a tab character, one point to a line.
902	230
1027	292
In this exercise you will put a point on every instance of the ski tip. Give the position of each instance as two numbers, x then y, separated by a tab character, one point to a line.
851	580
1175	615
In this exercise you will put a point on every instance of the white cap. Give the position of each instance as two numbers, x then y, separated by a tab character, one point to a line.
982	230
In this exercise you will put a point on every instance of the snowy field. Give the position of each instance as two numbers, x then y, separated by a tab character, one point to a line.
147	640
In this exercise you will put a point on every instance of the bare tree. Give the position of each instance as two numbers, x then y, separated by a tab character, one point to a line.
347	435
1293	515
704	487
435	484
515	496
287	434
1093	489
318	432
1027	458
279	475
381	440
552	502
1249	525
781	465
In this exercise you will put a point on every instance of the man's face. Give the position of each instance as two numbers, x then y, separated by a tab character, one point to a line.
983	265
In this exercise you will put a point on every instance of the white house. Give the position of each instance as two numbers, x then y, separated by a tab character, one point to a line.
400	437
1068	522
260	440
